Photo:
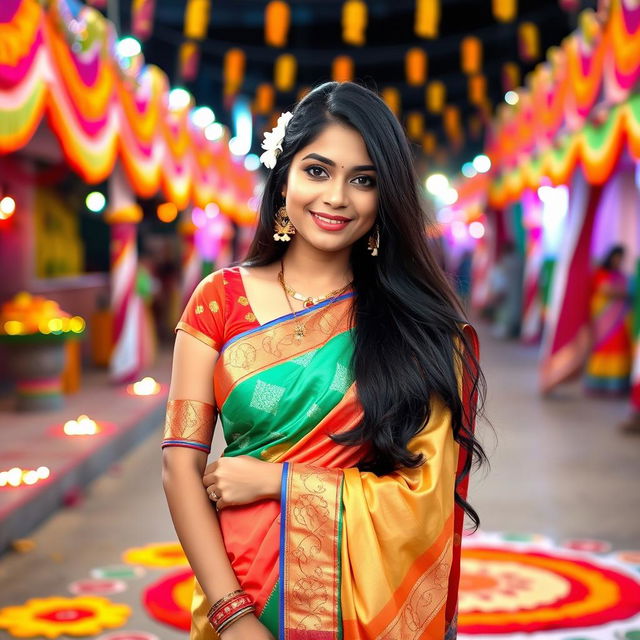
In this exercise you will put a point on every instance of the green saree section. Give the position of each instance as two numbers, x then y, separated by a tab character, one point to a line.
267	412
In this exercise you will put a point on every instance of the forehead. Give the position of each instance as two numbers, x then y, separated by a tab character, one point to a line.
337	142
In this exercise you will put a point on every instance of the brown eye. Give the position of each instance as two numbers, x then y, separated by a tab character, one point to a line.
315	171
368	181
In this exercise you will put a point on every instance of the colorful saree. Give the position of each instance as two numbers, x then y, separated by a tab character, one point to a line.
344	554
609	364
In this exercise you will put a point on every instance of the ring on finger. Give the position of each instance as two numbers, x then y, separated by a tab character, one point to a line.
213	495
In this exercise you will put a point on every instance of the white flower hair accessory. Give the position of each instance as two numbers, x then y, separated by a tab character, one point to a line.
273	141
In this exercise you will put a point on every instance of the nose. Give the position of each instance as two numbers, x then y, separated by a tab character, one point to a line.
335	194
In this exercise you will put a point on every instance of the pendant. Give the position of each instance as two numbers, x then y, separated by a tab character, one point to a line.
299	332
308	303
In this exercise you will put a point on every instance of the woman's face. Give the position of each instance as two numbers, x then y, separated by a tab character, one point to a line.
334	177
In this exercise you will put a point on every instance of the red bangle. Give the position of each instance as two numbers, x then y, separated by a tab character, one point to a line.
229	609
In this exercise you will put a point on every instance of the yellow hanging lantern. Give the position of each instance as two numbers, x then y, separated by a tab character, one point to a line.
189	57
342	69
285	71
436	96
510	76
477	89
265	97
234	63
471	55
391	97
429	142
415	125
277	18
505	10
427	20
354	22
416	66
196	19
451	122
529	41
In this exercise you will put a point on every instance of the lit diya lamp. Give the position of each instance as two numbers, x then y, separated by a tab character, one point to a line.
145	387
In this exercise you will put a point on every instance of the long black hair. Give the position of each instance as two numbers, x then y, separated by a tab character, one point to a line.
407	319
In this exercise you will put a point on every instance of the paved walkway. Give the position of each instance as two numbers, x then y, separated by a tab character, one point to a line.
560	468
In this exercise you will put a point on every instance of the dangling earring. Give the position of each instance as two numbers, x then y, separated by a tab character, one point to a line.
283	227
374	242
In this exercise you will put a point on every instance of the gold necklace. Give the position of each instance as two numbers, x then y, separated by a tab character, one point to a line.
309	300
300	328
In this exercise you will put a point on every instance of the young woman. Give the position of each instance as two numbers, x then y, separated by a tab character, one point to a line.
609	364
346	380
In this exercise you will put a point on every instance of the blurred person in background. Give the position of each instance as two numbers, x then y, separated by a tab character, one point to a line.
609	364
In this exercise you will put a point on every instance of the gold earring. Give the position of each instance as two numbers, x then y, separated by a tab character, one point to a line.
374	242
283	227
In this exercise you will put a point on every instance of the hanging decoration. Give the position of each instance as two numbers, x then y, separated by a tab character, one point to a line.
391	96
277	19
436	96
196	25
342	69
196	19
452	125
427	21
142	14
416	66
265	98
429	142
415	125
505	10
477	86
189	60
234	64
578	109
471	55
510	76
528	41
354	22
285	70
102	116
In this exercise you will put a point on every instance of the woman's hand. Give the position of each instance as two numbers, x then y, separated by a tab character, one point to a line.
242	480
246	628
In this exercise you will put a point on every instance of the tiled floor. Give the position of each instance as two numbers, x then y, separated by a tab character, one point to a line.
559	467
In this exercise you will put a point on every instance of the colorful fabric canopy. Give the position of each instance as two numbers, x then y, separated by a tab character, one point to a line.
103	108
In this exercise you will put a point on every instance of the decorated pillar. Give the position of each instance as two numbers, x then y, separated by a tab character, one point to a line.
191	260
123	214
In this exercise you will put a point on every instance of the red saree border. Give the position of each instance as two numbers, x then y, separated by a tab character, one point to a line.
310	553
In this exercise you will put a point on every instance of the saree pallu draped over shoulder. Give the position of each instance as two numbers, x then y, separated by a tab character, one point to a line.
345	554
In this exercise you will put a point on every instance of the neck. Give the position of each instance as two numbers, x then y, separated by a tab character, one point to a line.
313	271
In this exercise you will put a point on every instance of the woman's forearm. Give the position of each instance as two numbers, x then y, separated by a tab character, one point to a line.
198	529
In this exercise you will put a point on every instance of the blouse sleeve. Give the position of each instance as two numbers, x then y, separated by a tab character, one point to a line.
203	317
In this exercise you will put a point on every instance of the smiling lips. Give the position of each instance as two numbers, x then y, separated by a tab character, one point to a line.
330	222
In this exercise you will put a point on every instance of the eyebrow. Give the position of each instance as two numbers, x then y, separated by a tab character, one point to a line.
331	163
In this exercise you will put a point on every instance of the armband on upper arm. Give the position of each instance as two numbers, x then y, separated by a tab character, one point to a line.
189	423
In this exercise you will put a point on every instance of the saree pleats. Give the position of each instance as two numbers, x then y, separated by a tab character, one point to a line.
344	554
